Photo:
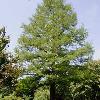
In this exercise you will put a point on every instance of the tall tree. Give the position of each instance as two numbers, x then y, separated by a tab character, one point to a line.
52	43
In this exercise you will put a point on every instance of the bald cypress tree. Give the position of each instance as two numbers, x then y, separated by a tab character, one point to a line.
52	43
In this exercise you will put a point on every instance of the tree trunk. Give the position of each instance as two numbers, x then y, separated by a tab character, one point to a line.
94	91
52	91
31	94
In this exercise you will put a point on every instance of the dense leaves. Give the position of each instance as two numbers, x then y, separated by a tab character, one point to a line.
53	47
9	71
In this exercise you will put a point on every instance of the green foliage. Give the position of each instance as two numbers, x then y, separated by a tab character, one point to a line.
11	97
27	86
9	70
42	94
53	47
3	39
86	84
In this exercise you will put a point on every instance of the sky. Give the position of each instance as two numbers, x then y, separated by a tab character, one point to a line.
13	13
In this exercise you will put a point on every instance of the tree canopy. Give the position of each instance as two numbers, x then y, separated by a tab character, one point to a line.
52	45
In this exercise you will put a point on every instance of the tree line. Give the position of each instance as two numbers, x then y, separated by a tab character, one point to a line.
53	60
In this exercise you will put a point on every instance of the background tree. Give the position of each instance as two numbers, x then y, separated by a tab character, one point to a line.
86	82
9	72
52	45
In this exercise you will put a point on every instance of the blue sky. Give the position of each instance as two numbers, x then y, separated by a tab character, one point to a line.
15	12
